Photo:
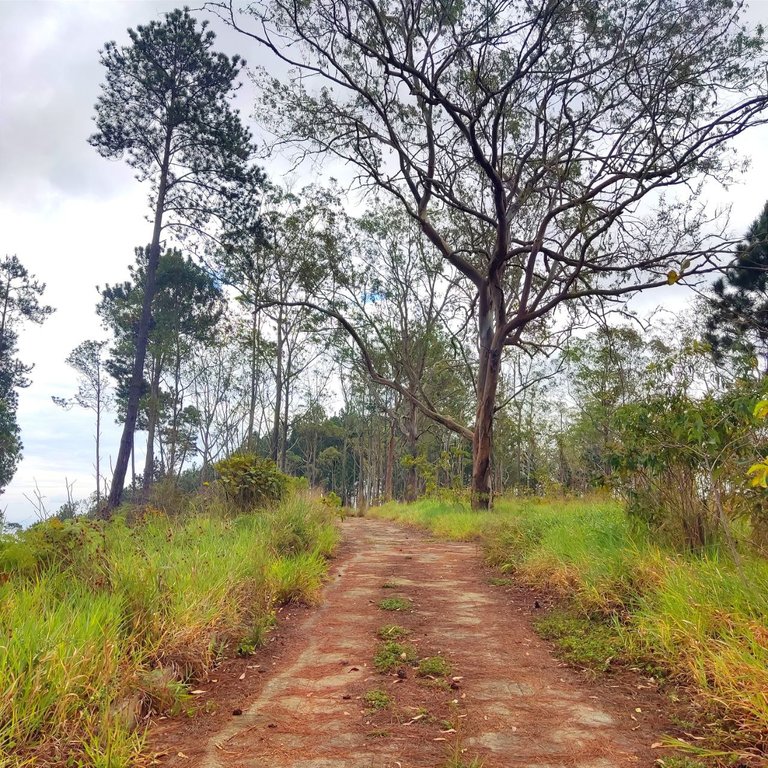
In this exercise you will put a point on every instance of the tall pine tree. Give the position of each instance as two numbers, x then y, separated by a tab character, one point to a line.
165	108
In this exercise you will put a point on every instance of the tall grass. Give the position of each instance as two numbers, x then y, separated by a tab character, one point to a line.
702	618
100	623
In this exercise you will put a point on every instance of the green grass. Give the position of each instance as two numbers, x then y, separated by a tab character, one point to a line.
377	699
396	604
433	666
584	643
391	632
390	655
108	621
627	598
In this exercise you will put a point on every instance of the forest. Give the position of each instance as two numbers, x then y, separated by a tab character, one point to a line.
514	319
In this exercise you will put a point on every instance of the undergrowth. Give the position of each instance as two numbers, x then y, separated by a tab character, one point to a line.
701	619
103	623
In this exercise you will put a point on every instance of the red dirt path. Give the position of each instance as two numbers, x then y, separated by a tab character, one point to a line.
508	701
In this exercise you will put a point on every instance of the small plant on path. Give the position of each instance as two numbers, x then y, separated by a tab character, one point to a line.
391	655
396	604
433	666
391	632
377	699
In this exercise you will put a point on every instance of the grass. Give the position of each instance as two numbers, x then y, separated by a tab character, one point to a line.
696	617
581	642
391	632
396	604
433	666
390	655
109	621
377	699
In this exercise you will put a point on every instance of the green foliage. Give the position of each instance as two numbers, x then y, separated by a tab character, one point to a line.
108	621
168	85
737	322
376	699
433	666
256	637
391	632
391	655
75	545
585	643
250	481
19	303
682	463
332	500
396	604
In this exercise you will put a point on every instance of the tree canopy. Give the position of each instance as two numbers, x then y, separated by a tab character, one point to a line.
546	149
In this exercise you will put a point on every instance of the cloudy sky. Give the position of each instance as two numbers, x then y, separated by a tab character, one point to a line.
74	218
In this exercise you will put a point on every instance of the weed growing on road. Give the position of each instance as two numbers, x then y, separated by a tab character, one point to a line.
391	632
396	604
433	666
377	699
581	642
391	655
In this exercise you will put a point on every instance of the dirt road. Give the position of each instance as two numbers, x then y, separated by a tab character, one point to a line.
506	701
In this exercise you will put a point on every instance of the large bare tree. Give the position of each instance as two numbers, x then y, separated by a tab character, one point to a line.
553	151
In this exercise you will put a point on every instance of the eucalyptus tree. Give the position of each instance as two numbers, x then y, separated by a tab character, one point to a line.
93	391
20	295
551	150
607	370
297	256
165	108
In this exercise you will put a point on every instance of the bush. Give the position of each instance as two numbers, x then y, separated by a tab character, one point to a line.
251	481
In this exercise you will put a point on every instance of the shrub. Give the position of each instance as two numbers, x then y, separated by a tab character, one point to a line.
251	481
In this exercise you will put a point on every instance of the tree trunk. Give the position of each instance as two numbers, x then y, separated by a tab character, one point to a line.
149	460
98	437
487	386
142	338
255	334
278	389
389	472
411	439
286	405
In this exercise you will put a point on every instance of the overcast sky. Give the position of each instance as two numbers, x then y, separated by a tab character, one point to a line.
74	218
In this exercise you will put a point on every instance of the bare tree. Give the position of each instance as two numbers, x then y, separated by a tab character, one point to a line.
553	151
93	386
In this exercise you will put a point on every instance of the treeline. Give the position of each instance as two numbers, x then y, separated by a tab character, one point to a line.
622	404
461	332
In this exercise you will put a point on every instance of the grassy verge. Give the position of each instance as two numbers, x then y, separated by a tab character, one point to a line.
698	618
100	624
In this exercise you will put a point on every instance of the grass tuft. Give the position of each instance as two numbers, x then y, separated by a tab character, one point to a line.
396	604
390	655
377	699
433	666
392	632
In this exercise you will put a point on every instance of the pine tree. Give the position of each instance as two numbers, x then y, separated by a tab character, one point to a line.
165	108
738	320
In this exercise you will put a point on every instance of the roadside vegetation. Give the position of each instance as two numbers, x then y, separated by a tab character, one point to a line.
104	623
700	618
